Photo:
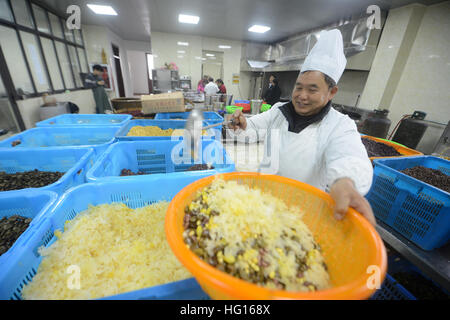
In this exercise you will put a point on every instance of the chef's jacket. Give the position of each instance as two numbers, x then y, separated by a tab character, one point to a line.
318	155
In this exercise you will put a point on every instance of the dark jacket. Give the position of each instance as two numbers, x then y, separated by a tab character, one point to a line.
100	96
272	95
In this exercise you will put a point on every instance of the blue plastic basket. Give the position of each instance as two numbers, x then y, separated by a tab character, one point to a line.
392	290
157	157
98	138
212	133
209	116
242	101
417	210
32	204
86	120
75	162
21	267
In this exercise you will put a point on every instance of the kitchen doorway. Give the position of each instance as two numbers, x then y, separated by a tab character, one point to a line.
212	64
117	63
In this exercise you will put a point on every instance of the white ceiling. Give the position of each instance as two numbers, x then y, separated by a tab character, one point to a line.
227	19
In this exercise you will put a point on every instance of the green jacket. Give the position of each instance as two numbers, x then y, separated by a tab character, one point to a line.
100	96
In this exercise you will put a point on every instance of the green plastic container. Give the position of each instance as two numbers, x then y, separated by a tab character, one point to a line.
232	109
265	107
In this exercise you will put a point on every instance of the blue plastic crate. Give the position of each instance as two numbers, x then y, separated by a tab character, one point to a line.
32	204
98	138
212	133
157	157
86	120
21	267
242	101
209	116
392	290
417	210
75	162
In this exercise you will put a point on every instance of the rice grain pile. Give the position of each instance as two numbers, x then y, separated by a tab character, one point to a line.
254	236
154	131
117	249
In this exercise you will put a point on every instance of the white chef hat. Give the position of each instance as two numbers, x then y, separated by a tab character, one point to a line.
327	55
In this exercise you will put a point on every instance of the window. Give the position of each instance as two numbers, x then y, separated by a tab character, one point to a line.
52	63
65	64
5	12
22	13
10	45
41	53
34	58
75	65
56	25
41	19
83	62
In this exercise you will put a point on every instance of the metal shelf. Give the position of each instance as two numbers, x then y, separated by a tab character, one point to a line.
435	264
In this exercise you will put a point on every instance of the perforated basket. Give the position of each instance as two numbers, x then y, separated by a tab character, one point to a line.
349	246
417	210
98	138
85	120
392	290
23	266
32	204
211	133
74	162
158	157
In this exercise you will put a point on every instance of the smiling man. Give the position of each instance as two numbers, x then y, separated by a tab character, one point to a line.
307	140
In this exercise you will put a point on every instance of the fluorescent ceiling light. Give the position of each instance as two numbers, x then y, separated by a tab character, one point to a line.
224	47
210	55
183	43
185	18
200	58
108	10
181	51
180	57
258	28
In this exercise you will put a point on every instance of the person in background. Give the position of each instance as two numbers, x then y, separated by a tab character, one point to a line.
201	84
273	93
222	88
211	88
95	82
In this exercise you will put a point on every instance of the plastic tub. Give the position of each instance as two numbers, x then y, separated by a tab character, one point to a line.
32	204
85	120
155	157
232	109
404	151
212	133
75	162
98	138
417	210
23	266
209	116
349	246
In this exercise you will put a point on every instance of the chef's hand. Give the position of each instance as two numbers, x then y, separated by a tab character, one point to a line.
345	195
101	83
239	121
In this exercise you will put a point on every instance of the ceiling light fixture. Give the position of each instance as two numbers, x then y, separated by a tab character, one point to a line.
181	51
258	28
210	55
224	47
185	18
98	9
183	43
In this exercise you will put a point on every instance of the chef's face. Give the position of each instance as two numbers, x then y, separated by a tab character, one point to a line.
311	93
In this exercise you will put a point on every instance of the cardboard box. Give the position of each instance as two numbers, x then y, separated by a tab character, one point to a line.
164	102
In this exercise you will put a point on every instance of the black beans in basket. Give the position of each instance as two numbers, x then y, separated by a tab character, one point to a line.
10	230
378	149
198	167
434	177
127	172
28	179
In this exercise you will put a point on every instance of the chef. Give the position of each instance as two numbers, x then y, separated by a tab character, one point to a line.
307	140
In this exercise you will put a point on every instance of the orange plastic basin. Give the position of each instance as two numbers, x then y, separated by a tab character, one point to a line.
404	151
350	246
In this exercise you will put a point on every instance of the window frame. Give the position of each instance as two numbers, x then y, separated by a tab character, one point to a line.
51	36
